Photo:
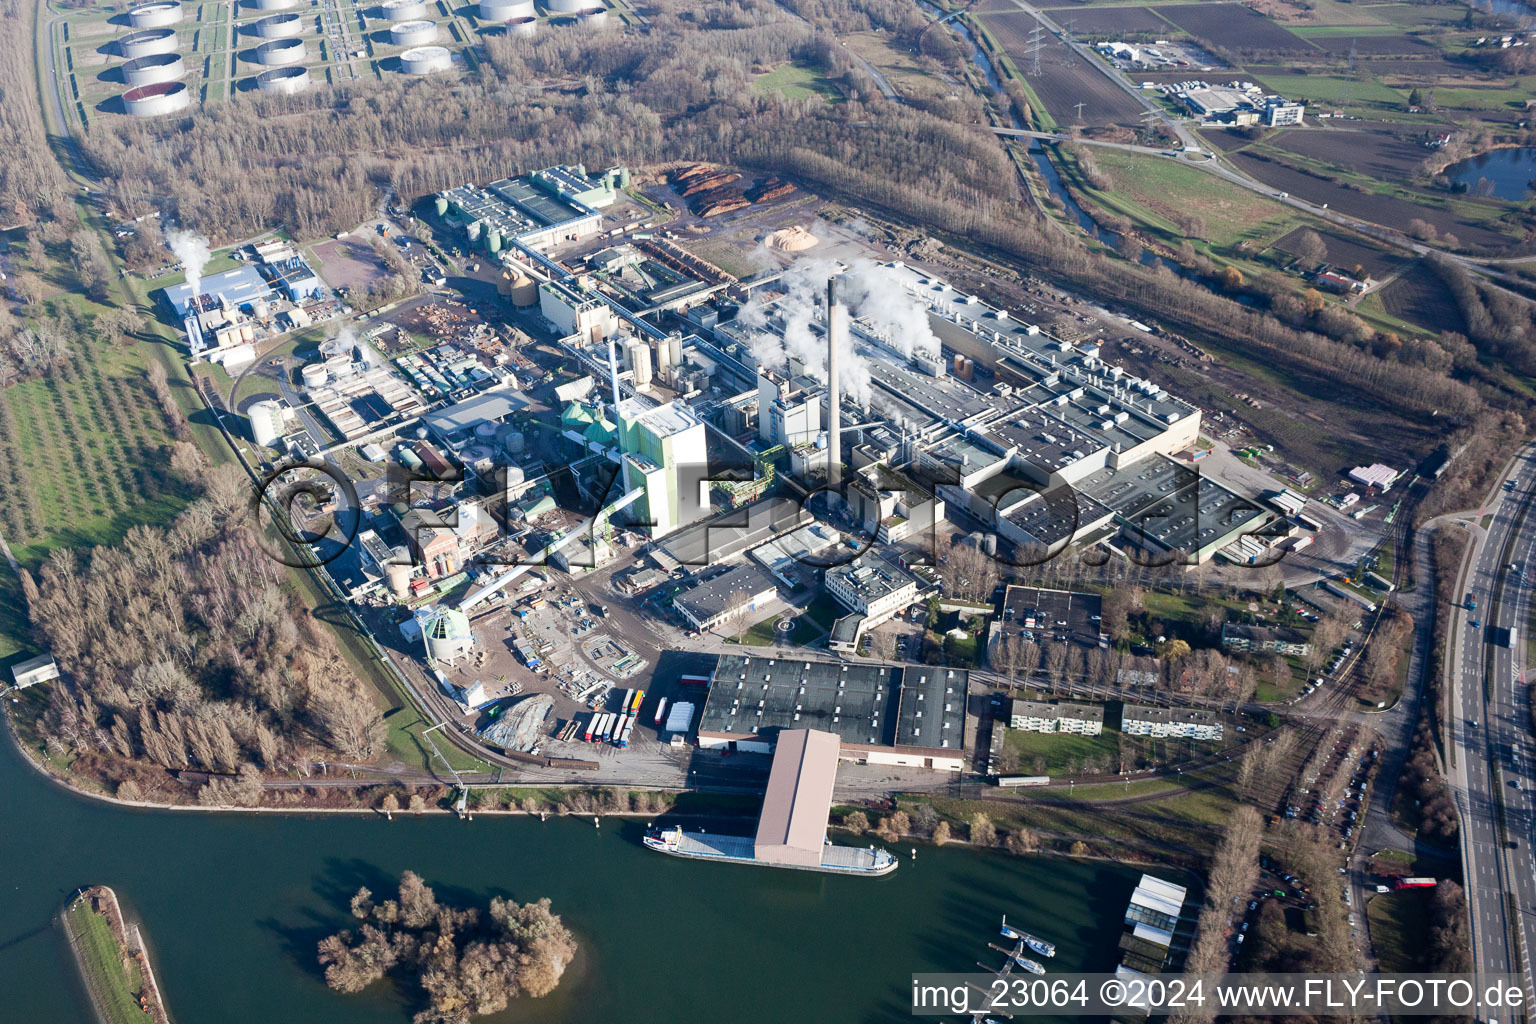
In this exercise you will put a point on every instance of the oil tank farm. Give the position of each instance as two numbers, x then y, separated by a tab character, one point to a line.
413	33
155	15
272	5
162	67
404	10
148	43
505	10
281	51
157	99
426	60
279	26
572	6
283	81
525	28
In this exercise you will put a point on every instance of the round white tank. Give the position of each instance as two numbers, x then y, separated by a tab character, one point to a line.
516	443
281	51
515	476
487	429
154	100
404	10
424	60
448	635
261	309
571	6
266	422
338	366
272	5
148	43
283	81
152	70
279	26
595	18
413	33
314	376
155	15
505	10
525	28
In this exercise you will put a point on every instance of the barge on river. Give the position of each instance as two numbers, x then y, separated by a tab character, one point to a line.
792	829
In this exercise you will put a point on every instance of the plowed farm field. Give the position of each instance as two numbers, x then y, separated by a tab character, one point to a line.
1065	78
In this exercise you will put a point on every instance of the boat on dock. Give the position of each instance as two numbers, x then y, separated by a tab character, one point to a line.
836	860
1017	957
1037	944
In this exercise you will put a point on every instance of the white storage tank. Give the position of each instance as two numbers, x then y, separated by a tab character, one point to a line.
447	634
266	421
283	81
155	100
413	33
338	366
425	60
524	28
314	375
156	15
595	18
281	51
279	26
154	69
272	5
571	6
148	43
505	10
399	580
403	10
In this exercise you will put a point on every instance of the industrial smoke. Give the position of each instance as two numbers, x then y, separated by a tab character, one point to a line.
192	250
873	293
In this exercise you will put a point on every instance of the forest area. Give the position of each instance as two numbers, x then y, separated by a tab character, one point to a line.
183	650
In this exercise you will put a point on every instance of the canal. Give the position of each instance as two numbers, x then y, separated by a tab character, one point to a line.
233	905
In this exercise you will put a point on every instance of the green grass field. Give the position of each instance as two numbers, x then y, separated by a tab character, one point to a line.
1153	191
1400	928
1060	753
113	989
795	81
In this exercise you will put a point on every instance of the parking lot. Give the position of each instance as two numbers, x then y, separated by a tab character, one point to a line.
1051	616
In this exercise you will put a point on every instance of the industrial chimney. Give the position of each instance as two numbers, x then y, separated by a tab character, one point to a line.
837	331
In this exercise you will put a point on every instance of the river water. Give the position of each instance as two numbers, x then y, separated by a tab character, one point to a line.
233	905
1505	173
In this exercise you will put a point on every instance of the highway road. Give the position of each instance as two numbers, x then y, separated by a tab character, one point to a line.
1491	775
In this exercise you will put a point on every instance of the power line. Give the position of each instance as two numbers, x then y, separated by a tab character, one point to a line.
1036	44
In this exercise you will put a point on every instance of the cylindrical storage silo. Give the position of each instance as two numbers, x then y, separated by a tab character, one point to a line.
493	241
283	81
157	99
404	10
571	6
157	15
442	206
266	422
399	580
595	18
314	376
148	43
272	5
525	28
161	67
424	60
413	33
279	26
505	10
281	51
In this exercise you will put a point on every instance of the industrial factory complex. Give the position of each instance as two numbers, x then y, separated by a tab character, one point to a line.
783	448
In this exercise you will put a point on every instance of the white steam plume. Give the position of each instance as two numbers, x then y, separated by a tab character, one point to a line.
192	250
876	293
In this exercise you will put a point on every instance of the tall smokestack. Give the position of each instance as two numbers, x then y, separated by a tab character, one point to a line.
837	330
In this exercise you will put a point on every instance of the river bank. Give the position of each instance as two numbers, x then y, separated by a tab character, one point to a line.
112	959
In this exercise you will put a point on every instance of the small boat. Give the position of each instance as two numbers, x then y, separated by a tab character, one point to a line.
1037	944
1032	966
1017	958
